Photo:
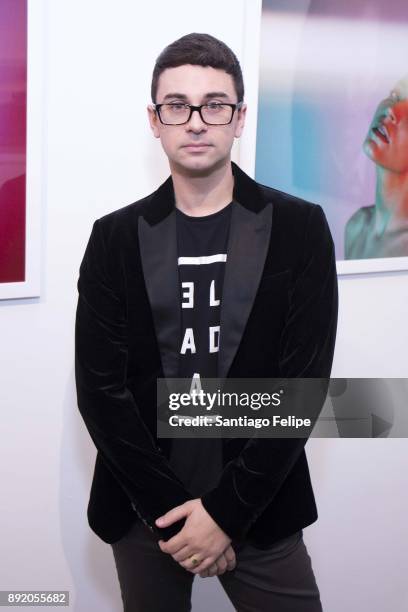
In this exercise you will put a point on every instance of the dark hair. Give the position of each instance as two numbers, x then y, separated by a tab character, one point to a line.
198	50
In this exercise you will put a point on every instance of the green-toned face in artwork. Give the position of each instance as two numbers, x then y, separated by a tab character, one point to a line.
387	140
381	229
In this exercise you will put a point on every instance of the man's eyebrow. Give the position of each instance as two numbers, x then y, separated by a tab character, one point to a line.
211	94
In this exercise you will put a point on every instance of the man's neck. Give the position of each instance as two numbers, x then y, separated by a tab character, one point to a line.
203	195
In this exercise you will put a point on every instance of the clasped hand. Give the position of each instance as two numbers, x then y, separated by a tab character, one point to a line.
201	537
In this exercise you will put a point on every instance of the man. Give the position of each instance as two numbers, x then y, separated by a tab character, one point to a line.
200	279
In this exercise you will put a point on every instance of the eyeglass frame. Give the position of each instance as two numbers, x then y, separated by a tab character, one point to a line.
192	107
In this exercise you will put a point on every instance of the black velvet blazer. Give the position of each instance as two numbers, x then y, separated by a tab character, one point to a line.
278	319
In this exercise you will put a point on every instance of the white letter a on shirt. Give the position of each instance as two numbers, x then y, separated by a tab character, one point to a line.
188	342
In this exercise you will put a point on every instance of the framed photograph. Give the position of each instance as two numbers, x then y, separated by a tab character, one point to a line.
21	142
329	82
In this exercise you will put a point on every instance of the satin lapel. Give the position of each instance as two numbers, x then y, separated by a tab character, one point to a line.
158	250
247	248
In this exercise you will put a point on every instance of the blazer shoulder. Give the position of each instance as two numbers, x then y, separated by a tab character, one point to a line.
125	213
118	224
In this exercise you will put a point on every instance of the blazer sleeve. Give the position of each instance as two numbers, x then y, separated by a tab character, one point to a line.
105	402
250	481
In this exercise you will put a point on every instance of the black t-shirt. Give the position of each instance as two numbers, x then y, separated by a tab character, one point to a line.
202	254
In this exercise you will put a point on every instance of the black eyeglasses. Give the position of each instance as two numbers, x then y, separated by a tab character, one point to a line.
214	113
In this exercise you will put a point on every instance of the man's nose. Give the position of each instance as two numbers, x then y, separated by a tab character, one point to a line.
196	123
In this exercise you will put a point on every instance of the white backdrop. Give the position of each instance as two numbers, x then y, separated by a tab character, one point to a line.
99	155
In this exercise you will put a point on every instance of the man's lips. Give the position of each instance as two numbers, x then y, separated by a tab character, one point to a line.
196	146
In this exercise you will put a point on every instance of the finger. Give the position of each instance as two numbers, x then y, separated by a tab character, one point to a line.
205	564
221	564
173	515
213	569
183	554
230	558
175	544
188	564
196	569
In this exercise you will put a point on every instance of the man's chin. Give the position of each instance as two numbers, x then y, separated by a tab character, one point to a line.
197	168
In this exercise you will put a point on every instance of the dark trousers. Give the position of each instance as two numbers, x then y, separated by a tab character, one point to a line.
279	579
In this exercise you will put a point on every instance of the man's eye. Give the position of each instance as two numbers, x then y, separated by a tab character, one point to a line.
215	107
177	107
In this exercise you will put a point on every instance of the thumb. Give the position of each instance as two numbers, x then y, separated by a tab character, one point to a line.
173	515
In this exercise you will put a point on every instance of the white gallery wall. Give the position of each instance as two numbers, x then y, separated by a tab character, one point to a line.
99	155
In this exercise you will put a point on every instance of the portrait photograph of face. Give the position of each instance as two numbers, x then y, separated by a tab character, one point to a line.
332	121
381	229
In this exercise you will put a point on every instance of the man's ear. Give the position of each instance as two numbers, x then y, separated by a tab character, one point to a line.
153	120
241	121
